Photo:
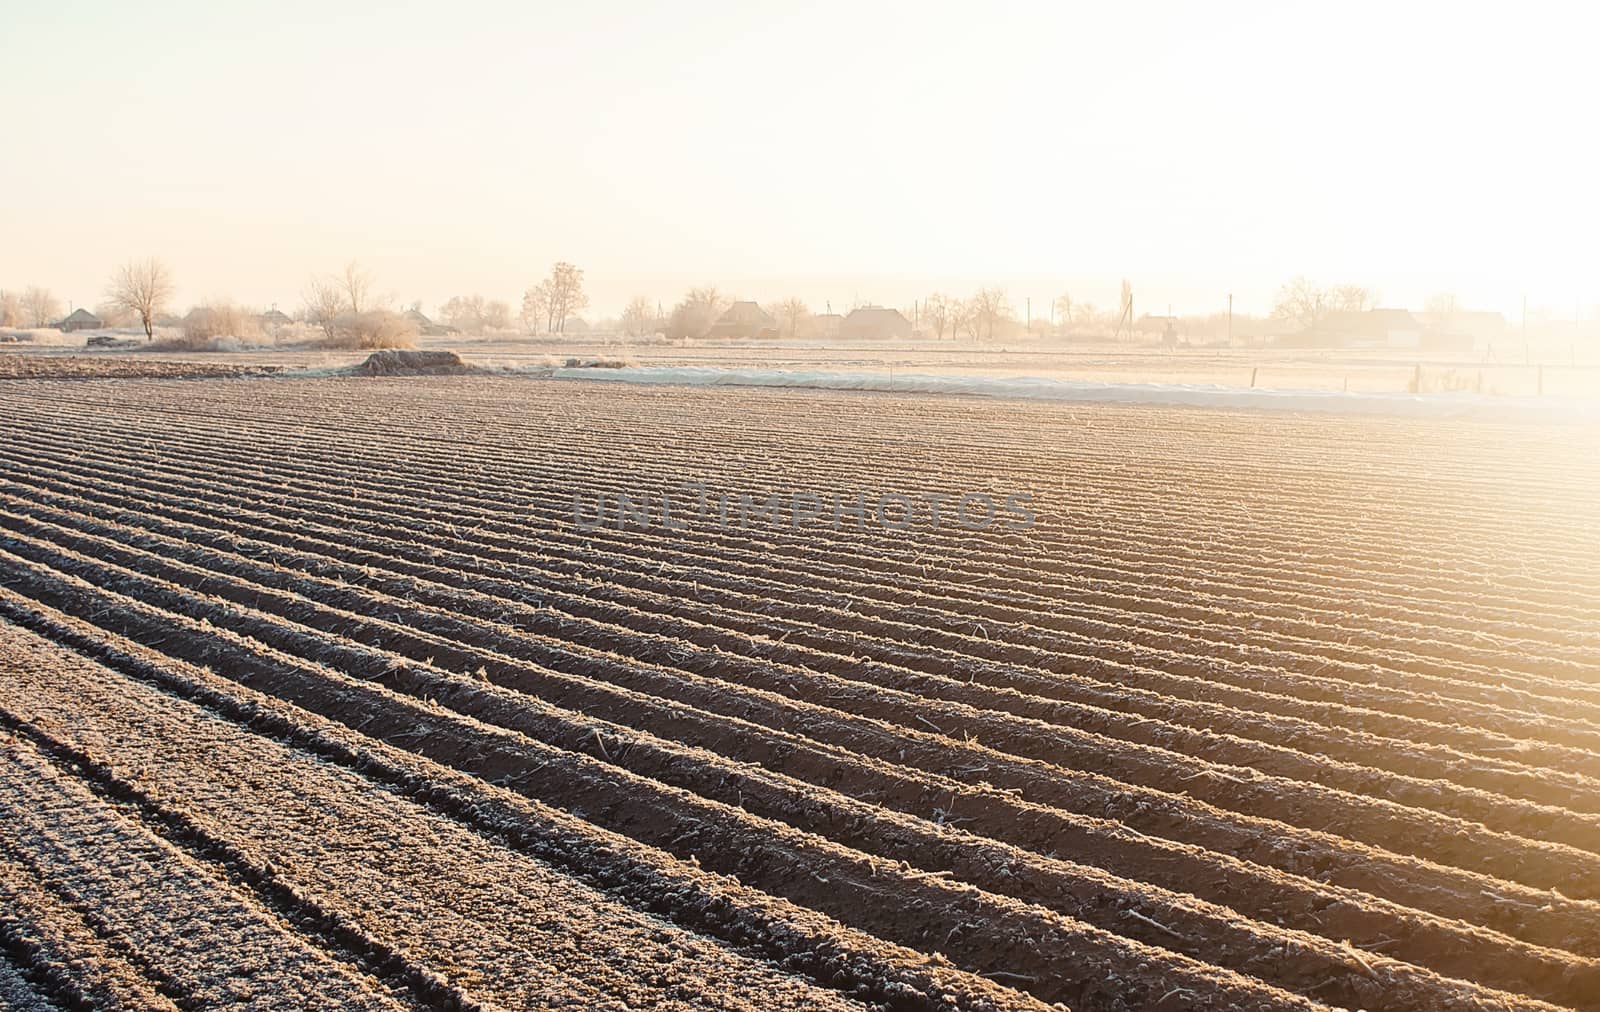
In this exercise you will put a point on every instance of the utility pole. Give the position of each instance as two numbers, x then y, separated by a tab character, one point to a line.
1230	319
1029	302
1125	319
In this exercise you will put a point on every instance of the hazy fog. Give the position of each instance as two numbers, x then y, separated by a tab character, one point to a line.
858	149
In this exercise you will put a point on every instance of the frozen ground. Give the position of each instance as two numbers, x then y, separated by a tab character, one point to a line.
1457	404
1509	370
313	691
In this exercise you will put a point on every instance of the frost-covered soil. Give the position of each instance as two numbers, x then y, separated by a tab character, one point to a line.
26	366
312	695
1092	392
308	839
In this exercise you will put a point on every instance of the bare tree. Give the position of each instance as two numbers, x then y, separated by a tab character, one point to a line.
11	312
348	293
964	318
473	314
536	306
496	315
638	316
789	313
1444	304
699	309
1352	298
142	287
324	302
562	295
1063	311
39	307
1308	305
464	312
990	307
939	310
356	284
1301	301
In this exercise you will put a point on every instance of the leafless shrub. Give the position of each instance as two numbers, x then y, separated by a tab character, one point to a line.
791	314
473	314
12	313
331	298
40	308
220	319
324	302
639	317
375	328
693	317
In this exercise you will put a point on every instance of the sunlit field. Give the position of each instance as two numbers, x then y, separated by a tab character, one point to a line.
1514	370
1250	711
528	506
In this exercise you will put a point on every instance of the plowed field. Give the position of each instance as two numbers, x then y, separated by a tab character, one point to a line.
314	693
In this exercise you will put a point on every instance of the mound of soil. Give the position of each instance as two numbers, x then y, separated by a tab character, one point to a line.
395	362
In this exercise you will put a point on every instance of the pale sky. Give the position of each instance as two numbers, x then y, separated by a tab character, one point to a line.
838	151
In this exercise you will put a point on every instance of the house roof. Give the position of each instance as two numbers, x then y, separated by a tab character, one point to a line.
81	316
869	316
747	312
275	315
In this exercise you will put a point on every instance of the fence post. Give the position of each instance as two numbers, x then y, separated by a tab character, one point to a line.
1253	377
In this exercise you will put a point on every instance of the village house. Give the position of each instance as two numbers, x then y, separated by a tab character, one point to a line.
744	319
875	323
81	319
428	328
824	325
274	318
